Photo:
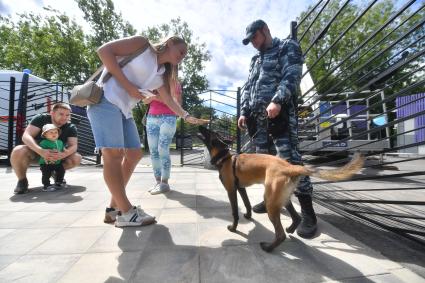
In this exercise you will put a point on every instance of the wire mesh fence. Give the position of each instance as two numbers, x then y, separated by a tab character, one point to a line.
366	65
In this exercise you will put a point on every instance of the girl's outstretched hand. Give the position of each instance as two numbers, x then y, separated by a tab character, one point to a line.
196	121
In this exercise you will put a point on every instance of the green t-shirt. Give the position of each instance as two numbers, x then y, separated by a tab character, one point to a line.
48	144
67	131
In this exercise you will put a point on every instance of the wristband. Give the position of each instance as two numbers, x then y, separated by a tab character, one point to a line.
185	115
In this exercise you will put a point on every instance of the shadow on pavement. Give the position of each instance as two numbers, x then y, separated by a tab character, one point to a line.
293	261
396	248
35	194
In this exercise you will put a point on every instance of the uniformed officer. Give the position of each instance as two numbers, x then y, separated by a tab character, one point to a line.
269	108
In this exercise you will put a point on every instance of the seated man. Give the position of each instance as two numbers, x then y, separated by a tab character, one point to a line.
23	155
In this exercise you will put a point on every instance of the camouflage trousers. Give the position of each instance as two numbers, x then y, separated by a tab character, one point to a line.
284	147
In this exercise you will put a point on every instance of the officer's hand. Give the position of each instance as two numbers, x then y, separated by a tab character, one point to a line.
273	110
242	122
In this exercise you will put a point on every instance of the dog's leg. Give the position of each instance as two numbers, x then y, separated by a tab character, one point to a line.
247	203
233	198
273	211
274	200
296	219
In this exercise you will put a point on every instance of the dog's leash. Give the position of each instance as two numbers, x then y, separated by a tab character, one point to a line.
251	138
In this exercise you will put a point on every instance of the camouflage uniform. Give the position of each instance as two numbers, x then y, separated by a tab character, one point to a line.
274	76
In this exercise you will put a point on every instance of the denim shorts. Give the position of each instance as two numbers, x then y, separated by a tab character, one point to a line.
110	127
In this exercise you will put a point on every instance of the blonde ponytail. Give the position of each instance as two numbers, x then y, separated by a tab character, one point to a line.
170	74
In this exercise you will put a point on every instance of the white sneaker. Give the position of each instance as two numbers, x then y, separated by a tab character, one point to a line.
134	217
162	188
155	187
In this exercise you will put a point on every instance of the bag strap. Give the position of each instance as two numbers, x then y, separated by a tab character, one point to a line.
122	63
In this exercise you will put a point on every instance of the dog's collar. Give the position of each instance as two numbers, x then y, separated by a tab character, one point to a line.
219	159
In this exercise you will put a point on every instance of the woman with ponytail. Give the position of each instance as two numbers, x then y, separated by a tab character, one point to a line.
114	129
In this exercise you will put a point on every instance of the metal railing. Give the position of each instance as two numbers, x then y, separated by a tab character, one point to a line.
21	100
380	82
223	109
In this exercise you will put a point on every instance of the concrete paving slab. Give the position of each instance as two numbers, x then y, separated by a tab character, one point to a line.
181	234
70	241
21	219
61	236
168	264
178	215
127	240
38	268
5	260
180	202
102	267
21	241
231	264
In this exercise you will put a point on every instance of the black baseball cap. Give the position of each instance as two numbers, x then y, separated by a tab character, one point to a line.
251	29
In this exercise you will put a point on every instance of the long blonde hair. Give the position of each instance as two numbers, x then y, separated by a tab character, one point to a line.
170	74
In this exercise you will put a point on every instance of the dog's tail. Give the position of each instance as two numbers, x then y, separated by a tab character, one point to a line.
343	173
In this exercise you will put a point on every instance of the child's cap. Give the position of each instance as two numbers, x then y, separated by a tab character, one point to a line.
49	127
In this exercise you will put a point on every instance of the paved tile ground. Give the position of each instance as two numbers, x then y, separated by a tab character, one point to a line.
60	237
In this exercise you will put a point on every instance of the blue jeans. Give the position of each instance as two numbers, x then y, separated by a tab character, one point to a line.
160	130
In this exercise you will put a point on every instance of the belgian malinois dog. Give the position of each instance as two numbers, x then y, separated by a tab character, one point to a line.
280	178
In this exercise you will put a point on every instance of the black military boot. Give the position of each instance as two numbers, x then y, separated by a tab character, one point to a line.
260	207
21	186
308	227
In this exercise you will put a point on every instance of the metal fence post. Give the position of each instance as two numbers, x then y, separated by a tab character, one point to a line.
21	116
238	114
181	142
11	119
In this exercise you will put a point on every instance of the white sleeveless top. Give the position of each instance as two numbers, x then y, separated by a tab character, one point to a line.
143	72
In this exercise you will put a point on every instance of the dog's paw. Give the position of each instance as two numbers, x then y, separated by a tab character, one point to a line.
291	229
267	247
231	228
248	215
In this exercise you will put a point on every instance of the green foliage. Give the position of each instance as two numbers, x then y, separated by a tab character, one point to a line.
106	25
56	48
53	47
105	22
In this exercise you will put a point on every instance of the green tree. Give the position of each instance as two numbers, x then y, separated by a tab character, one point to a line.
53	47
106	25
56	48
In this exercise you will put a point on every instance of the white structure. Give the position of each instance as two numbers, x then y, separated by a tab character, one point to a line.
39	99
